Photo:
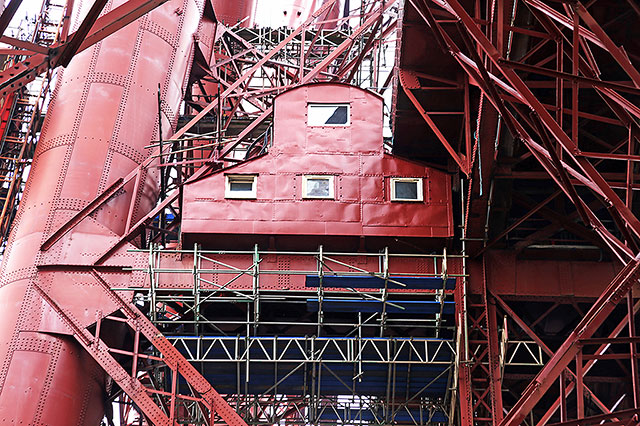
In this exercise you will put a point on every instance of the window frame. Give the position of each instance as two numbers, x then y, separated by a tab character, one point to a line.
306	178
420	189
241	195
327	104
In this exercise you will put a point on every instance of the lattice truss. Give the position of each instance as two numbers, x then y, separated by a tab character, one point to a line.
217	308
245	79
561	95
230	105
233	87
150	376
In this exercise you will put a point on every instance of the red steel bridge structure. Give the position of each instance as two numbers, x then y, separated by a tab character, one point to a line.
530	107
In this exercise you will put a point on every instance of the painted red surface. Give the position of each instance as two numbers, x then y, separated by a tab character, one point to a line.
102	116
509	276
353	154
5	112
232	12
276	268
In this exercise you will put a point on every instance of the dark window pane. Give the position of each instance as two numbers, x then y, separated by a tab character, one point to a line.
339	115
406	190
241	185
318	188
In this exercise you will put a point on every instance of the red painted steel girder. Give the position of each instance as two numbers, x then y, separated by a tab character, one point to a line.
92	30
571	386
7	14
103	115
623	417
79	226
480	47
134	228
203	393
404	76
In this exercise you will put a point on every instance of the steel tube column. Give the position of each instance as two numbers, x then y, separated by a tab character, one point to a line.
103	114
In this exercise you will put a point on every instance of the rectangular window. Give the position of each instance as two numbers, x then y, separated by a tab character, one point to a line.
317	187
240	186
328	114
406	189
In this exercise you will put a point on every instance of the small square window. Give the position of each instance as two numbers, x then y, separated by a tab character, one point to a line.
317	187
240	186
328	114
406	189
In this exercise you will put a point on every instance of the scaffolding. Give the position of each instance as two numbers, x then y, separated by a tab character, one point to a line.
284	345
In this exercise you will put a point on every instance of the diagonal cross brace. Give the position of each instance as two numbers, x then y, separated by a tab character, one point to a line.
204	393
100	353
530	99
432	125
605	304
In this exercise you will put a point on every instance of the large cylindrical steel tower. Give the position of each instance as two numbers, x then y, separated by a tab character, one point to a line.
103	114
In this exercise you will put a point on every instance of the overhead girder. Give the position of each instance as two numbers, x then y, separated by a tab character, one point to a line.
161	406
581	60
92	29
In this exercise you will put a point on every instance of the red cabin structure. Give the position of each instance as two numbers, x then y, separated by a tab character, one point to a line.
168	263
325	178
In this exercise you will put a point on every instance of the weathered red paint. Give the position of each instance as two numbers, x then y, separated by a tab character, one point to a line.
232	12
103	115
509	276
352	154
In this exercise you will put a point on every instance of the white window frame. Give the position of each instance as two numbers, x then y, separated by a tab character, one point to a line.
306	178
246	195
419	193
310	105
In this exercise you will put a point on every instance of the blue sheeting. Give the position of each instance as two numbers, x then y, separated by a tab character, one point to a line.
370	306
337	377
367	281
374	380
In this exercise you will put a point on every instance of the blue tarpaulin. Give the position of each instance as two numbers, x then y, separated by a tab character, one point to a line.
367	281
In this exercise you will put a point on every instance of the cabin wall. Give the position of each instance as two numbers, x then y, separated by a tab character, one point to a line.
352	154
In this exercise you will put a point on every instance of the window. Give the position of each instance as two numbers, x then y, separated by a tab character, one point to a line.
328	115
406	189
317	187
240	186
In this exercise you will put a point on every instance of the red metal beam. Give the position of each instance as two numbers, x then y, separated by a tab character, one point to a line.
7	14
553	159
458	158
463	369
203	392
571	386
495	373
567	351
209	164
555	130
597	420
249	73
20	74
71	47
566	372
